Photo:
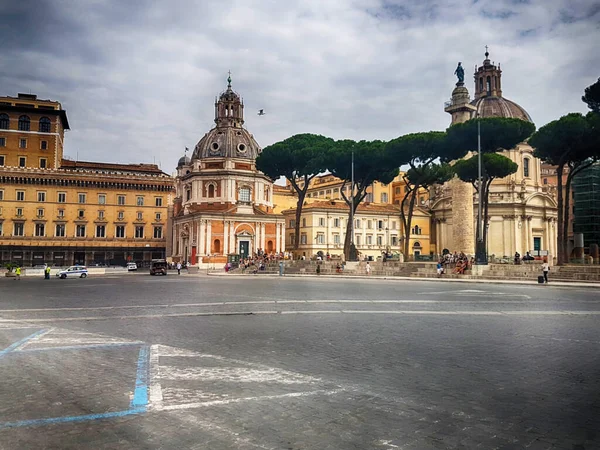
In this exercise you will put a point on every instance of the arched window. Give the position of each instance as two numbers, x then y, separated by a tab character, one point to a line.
188	195
488	85
481	83
211	191
24	123
417	244
4	121
526	167
217	246
416	230
270	246
44	125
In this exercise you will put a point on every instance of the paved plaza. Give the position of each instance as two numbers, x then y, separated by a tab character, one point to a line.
199	362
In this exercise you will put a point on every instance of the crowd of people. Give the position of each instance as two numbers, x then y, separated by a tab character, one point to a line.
458	262
258	261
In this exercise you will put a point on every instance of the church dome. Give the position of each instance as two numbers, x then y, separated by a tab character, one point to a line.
490	106
227	142
183	161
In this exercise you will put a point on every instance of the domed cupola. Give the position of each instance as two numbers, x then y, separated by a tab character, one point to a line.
228	139
489	101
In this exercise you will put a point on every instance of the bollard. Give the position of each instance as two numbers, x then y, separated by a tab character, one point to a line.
280	268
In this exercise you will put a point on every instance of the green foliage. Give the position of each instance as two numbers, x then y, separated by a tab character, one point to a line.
11	266
296	156
568	139
493	165
497	134
592	96
418	148
429	175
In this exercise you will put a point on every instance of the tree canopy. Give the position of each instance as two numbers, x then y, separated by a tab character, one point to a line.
592	96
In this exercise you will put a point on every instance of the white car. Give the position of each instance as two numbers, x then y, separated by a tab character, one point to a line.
131	267
73	271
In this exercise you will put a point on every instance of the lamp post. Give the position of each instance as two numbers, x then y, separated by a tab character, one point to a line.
352	247
480	250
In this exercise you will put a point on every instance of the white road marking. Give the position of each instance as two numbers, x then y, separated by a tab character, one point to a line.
145	316
156	393
173	395
234	374
32	340
565	339
245	399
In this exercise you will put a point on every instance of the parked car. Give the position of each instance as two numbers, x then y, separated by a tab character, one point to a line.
73	271
131	267
158	267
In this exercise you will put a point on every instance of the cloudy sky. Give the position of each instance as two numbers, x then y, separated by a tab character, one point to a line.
138	78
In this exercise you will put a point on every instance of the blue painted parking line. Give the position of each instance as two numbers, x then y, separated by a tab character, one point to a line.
11	347
80	347
140	395
72	419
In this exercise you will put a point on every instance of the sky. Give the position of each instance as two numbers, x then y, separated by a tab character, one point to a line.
138	79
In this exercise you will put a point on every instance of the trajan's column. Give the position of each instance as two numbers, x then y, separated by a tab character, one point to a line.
463	235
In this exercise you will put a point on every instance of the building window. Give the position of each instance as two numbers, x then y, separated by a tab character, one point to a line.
380	224
43	162
24	123
303	239
2	142
545	180
369	239
120	215
80	214
321	193
157	232
357	223
292	223
120	200
384	197
357	239
120	231
139	201
157	217
44	125
321	221
397	191
394	241
60	230
41	196
62	197
292	238
336	238
20	196
303	222
139	232
40	212
0	228
40	229
4	122
44	145
416	230
188	196
328	192
245	195
80	231
81	198
102	199
380	240
19	229
369	224
158	201
19	212
1	160
393	225
101	215
100	231
211	191
22	143
140	216
422	200
320	238
336	222
369	198
526	167
22	161
1	195
61	213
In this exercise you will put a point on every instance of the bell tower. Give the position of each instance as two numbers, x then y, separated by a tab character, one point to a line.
488	79
229	108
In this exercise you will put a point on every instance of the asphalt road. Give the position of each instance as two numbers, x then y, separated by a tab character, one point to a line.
197	362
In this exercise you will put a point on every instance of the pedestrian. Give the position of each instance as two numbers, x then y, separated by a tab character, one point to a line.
440	269
47	272
545	270
18	273
368	268
178	268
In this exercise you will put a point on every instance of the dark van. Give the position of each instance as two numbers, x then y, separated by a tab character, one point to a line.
158	267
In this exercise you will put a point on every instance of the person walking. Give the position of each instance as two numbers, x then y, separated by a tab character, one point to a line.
368	268
545	270
178	268
47	272
18	273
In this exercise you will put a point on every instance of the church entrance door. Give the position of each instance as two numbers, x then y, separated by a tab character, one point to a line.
244	247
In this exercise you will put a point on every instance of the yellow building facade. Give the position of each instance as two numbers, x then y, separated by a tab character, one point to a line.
79	212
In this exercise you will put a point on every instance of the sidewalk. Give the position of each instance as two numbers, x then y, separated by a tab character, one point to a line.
396	278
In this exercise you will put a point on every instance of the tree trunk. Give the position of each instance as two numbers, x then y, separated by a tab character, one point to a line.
299	206
403	218
408	223
486	218
560	247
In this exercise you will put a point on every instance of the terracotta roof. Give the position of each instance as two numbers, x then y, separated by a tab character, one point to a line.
90	165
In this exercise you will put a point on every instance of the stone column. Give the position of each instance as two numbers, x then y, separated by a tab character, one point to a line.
277	237
463	230
226	225
208	236
201	237
262	236
232	248
282	237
